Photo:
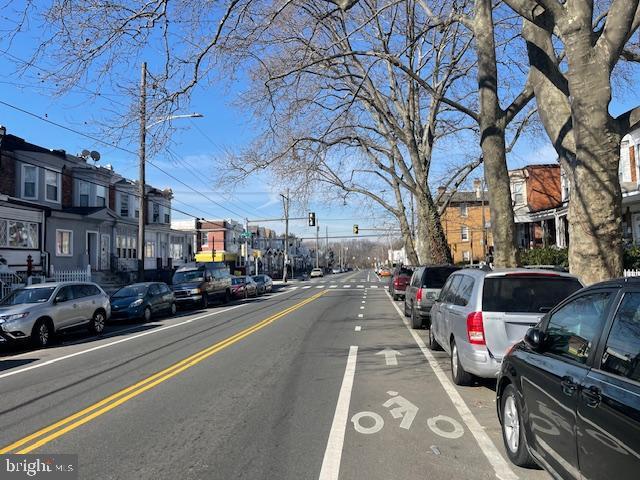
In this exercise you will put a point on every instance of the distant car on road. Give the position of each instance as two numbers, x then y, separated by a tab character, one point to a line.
38	312
316	272
142	300
422	290
568	394
481	313
265	283
385	272
336	270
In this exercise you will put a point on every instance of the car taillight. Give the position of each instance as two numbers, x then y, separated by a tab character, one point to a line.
419	295
396	281
475	328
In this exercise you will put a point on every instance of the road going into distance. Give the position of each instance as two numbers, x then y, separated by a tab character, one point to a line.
320	380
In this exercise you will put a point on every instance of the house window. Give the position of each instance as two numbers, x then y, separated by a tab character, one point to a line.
64	243
466	256
124	205
176	248
29	182
464	233
52	186
101	196
18	234
156	213
137	212
463	210
167	218
150	250
83	188
518	197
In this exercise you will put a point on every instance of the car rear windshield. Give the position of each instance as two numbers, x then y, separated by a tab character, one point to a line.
237	281
526	294
405	271
435	277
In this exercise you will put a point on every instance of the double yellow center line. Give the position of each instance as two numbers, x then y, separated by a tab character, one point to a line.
47	434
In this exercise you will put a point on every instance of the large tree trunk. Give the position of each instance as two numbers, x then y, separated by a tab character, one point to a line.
405	228
595	220
492	140
432	246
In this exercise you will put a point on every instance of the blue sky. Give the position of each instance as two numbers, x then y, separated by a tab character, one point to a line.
224	127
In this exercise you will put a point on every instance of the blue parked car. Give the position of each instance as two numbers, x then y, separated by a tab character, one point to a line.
142	300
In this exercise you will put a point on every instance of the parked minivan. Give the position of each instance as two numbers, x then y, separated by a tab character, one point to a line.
568	395
422	290
480	314
38	312
197	284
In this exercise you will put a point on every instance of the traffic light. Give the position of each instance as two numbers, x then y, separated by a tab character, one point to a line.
312	219
355	229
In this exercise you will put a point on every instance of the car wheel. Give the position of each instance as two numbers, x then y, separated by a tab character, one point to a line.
433	344
246	294
227	296
204	303
416	320
174	309
513	434
406	312
96	325
146	314
41	334
459	375
395	297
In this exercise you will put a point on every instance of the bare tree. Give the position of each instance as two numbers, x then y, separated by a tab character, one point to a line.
573	90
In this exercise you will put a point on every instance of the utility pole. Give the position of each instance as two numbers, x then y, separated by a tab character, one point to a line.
317	246
247	267
285	202
142	216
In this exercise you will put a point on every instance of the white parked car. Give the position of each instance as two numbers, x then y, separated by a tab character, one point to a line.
37	312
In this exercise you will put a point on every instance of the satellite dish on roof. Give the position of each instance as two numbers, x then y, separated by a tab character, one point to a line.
85	153
95	155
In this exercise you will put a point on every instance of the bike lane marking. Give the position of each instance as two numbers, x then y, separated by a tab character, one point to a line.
333	454
502	469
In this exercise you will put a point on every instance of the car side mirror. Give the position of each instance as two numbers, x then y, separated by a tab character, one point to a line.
534	338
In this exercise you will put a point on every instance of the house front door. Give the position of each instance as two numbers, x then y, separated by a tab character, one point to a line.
105	251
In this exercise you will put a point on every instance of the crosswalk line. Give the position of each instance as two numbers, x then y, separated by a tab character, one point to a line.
293	288
360	286
333	286
374	286
307	286
347	286
319	286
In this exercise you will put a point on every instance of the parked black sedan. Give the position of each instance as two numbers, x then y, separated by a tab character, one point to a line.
265	283
142	300
568	395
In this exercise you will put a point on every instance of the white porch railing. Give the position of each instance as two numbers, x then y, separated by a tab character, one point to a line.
72	275
9	281
632	273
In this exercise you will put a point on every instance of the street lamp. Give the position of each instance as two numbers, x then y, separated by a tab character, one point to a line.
142	216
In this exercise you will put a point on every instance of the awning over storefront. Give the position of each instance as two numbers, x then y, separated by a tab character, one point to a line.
216	257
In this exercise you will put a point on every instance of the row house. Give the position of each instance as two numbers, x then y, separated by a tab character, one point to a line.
466	221
85	215
629	175
216	241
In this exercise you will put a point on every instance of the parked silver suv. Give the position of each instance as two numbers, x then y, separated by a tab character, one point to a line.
480	314
37	312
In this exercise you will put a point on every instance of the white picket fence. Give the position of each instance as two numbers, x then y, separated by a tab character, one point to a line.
72	275
8	282
632	273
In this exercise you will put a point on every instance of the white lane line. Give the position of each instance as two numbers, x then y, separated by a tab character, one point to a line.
360	315
500	466
358	328
347	286
293	288
364	301
333	454
374	286
116	342
333	286
306	286
360	286
319	286
361	308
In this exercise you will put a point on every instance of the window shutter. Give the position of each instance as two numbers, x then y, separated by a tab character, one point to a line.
632	163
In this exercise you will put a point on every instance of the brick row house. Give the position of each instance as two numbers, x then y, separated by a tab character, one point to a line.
67	212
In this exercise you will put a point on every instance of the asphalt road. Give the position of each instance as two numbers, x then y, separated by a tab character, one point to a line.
320	380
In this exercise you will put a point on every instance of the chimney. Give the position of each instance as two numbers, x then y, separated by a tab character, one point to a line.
477	187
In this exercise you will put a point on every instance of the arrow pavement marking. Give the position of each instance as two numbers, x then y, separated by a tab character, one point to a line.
390	356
